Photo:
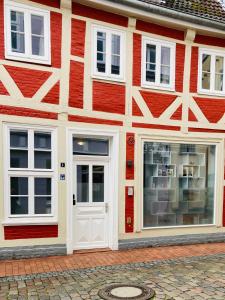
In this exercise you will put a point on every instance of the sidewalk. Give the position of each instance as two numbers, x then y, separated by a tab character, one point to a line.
107	258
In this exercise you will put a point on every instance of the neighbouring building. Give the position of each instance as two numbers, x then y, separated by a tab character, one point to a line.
112	124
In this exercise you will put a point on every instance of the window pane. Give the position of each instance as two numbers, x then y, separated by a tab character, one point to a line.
151	53
17	42
206	62
18	158
17	21
82	183
17	32
38	46
19	205
101	49
42	205
42	160
165	75
19	186
179	182
18	139
219	82
206	81
101	41
115	67
42	186
115	44
42	140
37	25
165	56
82	146
98	183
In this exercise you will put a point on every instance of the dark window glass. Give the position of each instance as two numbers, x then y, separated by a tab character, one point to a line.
42	159
82	146
42	140
18	159
42	205
18	139
19	205
82	183
19	186
98	184
42	186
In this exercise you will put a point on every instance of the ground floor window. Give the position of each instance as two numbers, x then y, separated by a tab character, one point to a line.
179	181
30	161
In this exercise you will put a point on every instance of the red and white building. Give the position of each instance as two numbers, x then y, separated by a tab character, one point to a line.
112	124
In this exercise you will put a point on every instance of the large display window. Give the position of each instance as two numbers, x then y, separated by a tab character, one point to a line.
179	182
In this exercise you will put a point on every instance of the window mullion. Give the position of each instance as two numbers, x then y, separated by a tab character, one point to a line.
213	73
27	32
158	63
90	183
31	196
108	53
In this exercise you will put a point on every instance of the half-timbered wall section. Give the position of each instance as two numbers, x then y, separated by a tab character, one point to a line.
118	71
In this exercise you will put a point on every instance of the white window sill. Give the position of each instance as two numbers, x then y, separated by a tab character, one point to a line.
28	60
107	78
214	94
157	87
21	222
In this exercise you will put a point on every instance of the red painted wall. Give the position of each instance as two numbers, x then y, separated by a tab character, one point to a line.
94	120
56	39
76	84
30	232
224	207
27	112
209	40
213	109
52	3
129	212
160	30
135	109
28	80
177	115
137	59
180	57
156	102
192	129
3	90
93	13
78	37
194	70
130	144
109	97
52	96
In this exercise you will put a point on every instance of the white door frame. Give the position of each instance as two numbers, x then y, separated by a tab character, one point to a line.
113	135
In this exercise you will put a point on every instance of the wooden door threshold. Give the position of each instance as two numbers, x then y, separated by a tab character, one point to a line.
95	250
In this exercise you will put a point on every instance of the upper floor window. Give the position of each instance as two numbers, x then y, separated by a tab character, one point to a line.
158	64
108	49
211	72
27	33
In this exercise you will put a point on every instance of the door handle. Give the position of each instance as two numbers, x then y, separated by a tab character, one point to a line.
74	200
106	207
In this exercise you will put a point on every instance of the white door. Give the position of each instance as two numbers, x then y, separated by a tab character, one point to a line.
90	204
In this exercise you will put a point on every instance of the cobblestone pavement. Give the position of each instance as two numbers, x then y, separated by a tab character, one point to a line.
174	279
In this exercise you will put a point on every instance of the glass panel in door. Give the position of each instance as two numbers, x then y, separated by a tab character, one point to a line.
98	184
82	183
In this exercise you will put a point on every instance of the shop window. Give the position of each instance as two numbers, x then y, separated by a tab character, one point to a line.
31	172
211	72
108	49
27	33
179	182
158	64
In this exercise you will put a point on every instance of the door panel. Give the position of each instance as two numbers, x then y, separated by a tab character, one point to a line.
90	212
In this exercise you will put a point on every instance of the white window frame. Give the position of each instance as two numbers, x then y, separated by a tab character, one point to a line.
107	75
28	11
158	44
213	54
30	173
